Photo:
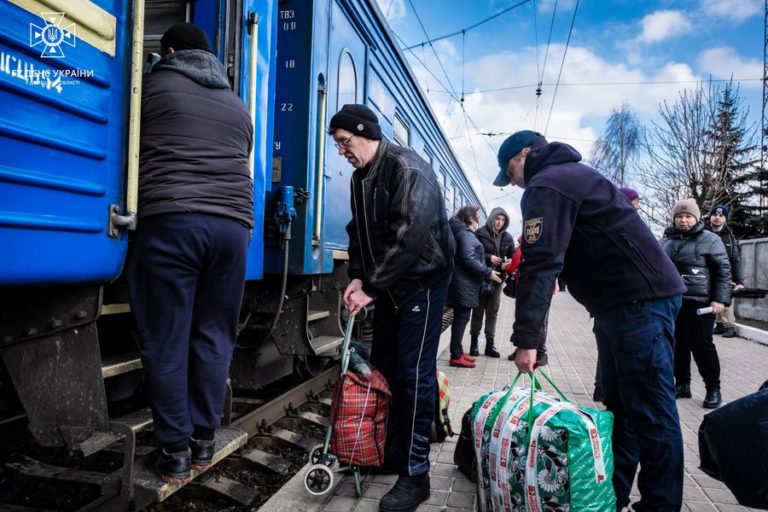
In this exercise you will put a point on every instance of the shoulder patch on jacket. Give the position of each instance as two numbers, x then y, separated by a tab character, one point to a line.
533	228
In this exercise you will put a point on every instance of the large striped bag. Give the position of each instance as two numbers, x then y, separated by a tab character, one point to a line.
359	419
536	451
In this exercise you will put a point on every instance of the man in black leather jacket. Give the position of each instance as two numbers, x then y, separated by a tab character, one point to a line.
576	223
700	257
400	256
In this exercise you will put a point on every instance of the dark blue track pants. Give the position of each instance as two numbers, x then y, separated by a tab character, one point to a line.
405	342
185	278
636	345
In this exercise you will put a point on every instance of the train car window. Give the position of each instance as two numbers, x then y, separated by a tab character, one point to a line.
427	154
347	87
449	197
402	134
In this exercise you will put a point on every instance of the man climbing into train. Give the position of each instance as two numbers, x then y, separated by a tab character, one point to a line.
400	256
186	269
576	223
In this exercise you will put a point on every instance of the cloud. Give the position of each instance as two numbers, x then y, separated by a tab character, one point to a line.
394	10
661	25
735	10
725	63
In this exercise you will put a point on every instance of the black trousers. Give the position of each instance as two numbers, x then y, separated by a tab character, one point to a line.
185	279
693	335
458	327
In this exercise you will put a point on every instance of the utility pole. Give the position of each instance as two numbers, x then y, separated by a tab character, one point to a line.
763	123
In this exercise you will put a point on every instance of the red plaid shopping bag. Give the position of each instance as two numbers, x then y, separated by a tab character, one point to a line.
359	419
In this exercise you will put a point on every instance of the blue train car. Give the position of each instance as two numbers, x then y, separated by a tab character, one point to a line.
70	91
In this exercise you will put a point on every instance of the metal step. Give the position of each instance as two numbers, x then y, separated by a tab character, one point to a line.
314	315
325	345
120	364
147	484
136	421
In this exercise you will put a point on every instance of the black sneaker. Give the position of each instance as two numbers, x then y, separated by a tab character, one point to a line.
729	332
683	390
174	468
408	493
718	329
713	399
202	453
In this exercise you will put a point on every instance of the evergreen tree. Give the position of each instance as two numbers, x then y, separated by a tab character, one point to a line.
732	167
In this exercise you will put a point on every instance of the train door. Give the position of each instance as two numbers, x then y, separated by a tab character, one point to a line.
346	84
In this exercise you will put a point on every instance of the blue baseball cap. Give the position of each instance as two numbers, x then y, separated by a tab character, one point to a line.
509	148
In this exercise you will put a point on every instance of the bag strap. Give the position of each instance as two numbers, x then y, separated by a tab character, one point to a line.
535	385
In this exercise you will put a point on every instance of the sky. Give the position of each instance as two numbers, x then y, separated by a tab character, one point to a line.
641	53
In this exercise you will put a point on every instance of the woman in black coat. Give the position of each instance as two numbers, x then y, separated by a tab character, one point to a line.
700	257
469	271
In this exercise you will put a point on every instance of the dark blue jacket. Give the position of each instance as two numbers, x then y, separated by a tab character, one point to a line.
576	223
469	268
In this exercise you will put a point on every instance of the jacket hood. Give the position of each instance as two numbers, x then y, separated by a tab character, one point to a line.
198	65
673	232
497	211
548	154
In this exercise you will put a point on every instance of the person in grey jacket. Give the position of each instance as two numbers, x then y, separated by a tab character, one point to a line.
700	257
499	246
469	272
186	269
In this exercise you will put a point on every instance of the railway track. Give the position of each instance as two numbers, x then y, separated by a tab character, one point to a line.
266	442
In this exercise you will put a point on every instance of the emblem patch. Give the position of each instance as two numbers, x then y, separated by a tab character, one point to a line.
533	228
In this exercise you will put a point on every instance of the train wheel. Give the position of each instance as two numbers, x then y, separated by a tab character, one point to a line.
318	480
309	366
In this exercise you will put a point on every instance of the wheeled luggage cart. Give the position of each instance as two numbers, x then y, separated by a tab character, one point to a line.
319	477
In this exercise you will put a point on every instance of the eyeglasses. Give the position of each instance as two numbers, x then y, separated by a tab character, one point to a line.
343	143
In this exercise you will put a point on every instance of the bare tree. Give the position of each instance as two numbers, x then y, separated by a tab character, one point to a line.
614	153
679	153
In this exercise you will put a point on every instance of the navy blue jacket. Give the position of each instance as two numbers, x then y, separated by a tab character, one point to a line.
469	268
577	223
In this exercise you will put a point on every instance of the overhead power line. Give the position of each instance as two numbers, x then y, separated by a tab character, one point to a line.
467	29
562	63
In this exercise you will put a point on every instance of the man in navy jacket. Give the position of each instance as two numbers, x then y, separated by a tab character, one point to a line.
578	225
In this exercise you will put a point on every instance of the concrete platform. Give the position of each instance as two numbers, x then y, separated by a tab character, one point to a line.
572	356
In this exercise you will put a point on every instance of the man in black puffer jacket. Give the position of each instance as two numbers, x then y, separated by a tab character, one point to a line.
700	257
187	266
576	223
499	246
400	255
717	222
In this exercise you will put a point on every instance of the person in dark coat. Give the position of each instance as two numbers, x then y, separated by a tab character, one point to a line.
400	256
577	223
469	271
717	222
700	257
186	270
499	246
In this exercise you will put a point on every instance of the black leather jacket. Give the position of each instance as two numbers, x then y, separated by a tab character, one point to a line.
700	257
399	240
732	249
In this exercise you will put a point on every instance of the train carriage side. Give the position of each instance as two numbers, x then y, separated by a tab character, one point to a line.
330	53
64	136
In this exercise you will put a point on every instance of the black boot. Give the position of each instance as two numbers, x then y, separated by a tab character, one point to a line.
490	348
683	390
729	332
174	467
713	399
473	350
202	452
407	494
718	329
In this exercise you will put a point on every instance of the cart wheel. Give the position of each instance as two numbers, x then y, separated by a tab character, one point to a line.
316	454
318	479
358	481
